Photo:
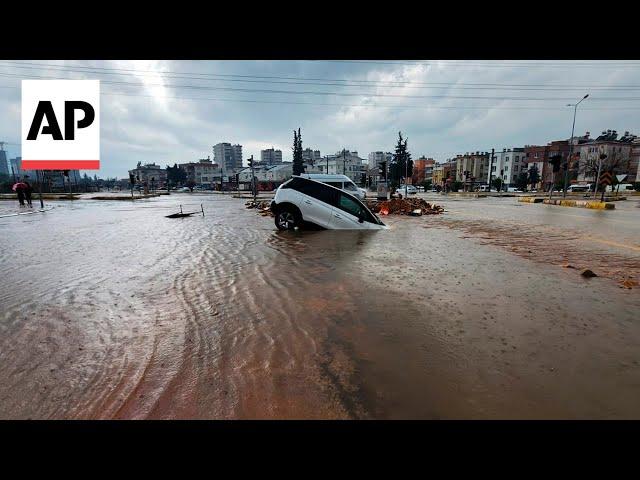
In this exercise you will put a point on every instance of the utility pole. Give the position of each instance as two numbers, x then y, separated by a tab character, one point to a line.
490	168
253	180
344	160
566	172
327	157
39	189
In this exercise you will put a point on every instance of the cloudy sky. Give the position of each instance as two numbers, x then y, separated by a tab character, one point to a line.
174	111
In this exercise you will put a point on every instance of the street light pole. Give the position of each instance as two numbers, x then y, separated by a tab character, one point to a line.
566	172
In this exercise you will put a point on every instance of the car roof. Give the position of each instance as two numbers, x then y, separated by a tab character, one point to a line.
316	176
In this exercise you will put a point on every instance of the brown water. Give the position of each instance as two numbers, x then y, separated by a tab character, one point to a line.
110	310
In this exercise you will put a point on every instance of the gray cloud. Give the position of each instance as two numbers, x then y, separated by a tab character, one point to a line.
145	122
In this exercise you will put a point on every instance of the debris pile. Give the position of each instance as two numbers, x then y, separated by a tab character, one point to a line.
404	206
263	207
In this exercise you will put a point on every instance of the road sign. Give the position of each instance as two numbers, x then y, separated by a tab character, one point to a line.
605	178
621	177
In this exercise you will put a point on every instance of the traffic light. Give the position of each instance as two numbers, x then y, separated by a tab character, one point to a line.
555	161
251	162
382	170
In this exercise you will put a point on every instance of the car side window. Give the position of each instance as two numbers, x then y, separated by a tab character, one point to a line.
351	187
319	191
350	205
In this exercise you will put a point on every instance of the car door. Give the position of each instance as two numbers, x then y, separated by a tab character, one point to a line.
315	202
346	212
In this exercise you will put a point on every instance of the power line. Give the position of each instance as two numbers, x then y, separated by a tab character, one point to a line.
346	94
285	102
314	81
496	63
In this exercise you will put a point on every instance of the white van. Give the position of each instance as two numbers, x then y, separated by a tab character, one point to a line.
578	188
624	187
339	181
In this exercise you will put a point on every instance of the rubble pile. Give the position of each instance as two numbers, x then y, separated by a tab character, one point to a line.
263	207
404	206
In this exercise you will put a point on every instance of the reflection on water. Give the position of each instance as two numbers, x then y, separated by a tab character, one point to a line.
113	311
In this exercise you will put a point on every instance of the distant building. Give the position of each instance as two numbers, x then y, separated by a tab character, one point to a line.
619	152
343	162
422	170
4	165
477	164
270	157
634	165
310	156
376	158
228	156
150	174
204	173
267	176
507	165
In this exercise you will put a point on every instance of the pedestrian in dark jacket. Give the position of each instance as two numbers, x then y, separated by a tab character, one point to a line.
20	192
28	190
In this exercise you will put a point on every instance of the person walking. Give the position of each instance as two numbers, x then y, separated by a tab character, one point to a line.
19	189
28	190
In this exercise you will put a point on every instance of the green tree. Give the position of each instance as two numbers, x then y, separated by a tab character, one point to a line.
534	176
176	175
298	164
401	164
497	183
522	181
427	185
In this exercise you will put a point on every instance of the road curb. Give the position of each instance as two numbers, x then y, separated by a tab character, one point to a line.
581	204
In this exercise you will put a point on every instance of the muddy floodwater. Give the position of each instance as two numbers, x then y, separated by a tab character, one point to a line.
109	310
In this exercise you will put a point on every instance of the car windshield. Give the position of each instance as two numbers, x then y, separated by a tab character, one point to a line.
351	187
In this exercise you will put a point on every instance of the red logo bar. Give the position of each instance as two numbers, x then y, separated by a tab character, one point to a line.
60	164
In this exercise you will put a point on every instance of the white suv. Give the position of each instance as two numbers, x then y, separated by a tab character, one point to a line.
301	200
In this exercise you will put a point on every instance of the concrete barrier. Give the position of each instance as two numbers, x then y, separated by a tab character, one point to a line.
581	204
530	199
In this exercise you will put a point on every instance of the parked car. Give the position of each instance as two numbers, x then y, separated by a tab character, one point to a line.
578	188
513	190
184	189
339	181
410	189
302	201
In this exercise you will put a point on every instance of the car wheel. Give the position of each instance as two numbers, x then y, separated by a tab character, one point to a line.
287	219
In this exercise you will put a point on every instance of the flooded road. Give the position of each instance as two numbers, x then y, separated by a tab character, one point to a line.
110	310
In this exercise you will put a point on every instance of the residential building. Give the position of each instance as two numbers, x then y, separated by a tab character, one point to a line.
423	170
270	157
619	152
508	164
4	165
344	162
443	172
151	174
268	177
634	165
204	173
376	158
310	156
477	164
228	156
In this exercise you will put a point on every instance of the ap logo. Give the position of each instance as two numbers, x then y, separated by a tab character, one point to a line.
60	124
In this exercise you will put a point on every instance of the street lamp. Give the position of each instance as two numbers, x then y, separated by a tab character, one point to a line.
566	172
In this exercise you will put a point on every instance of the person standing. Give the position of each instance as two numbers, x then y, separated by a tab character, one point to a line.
20	191
28	190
